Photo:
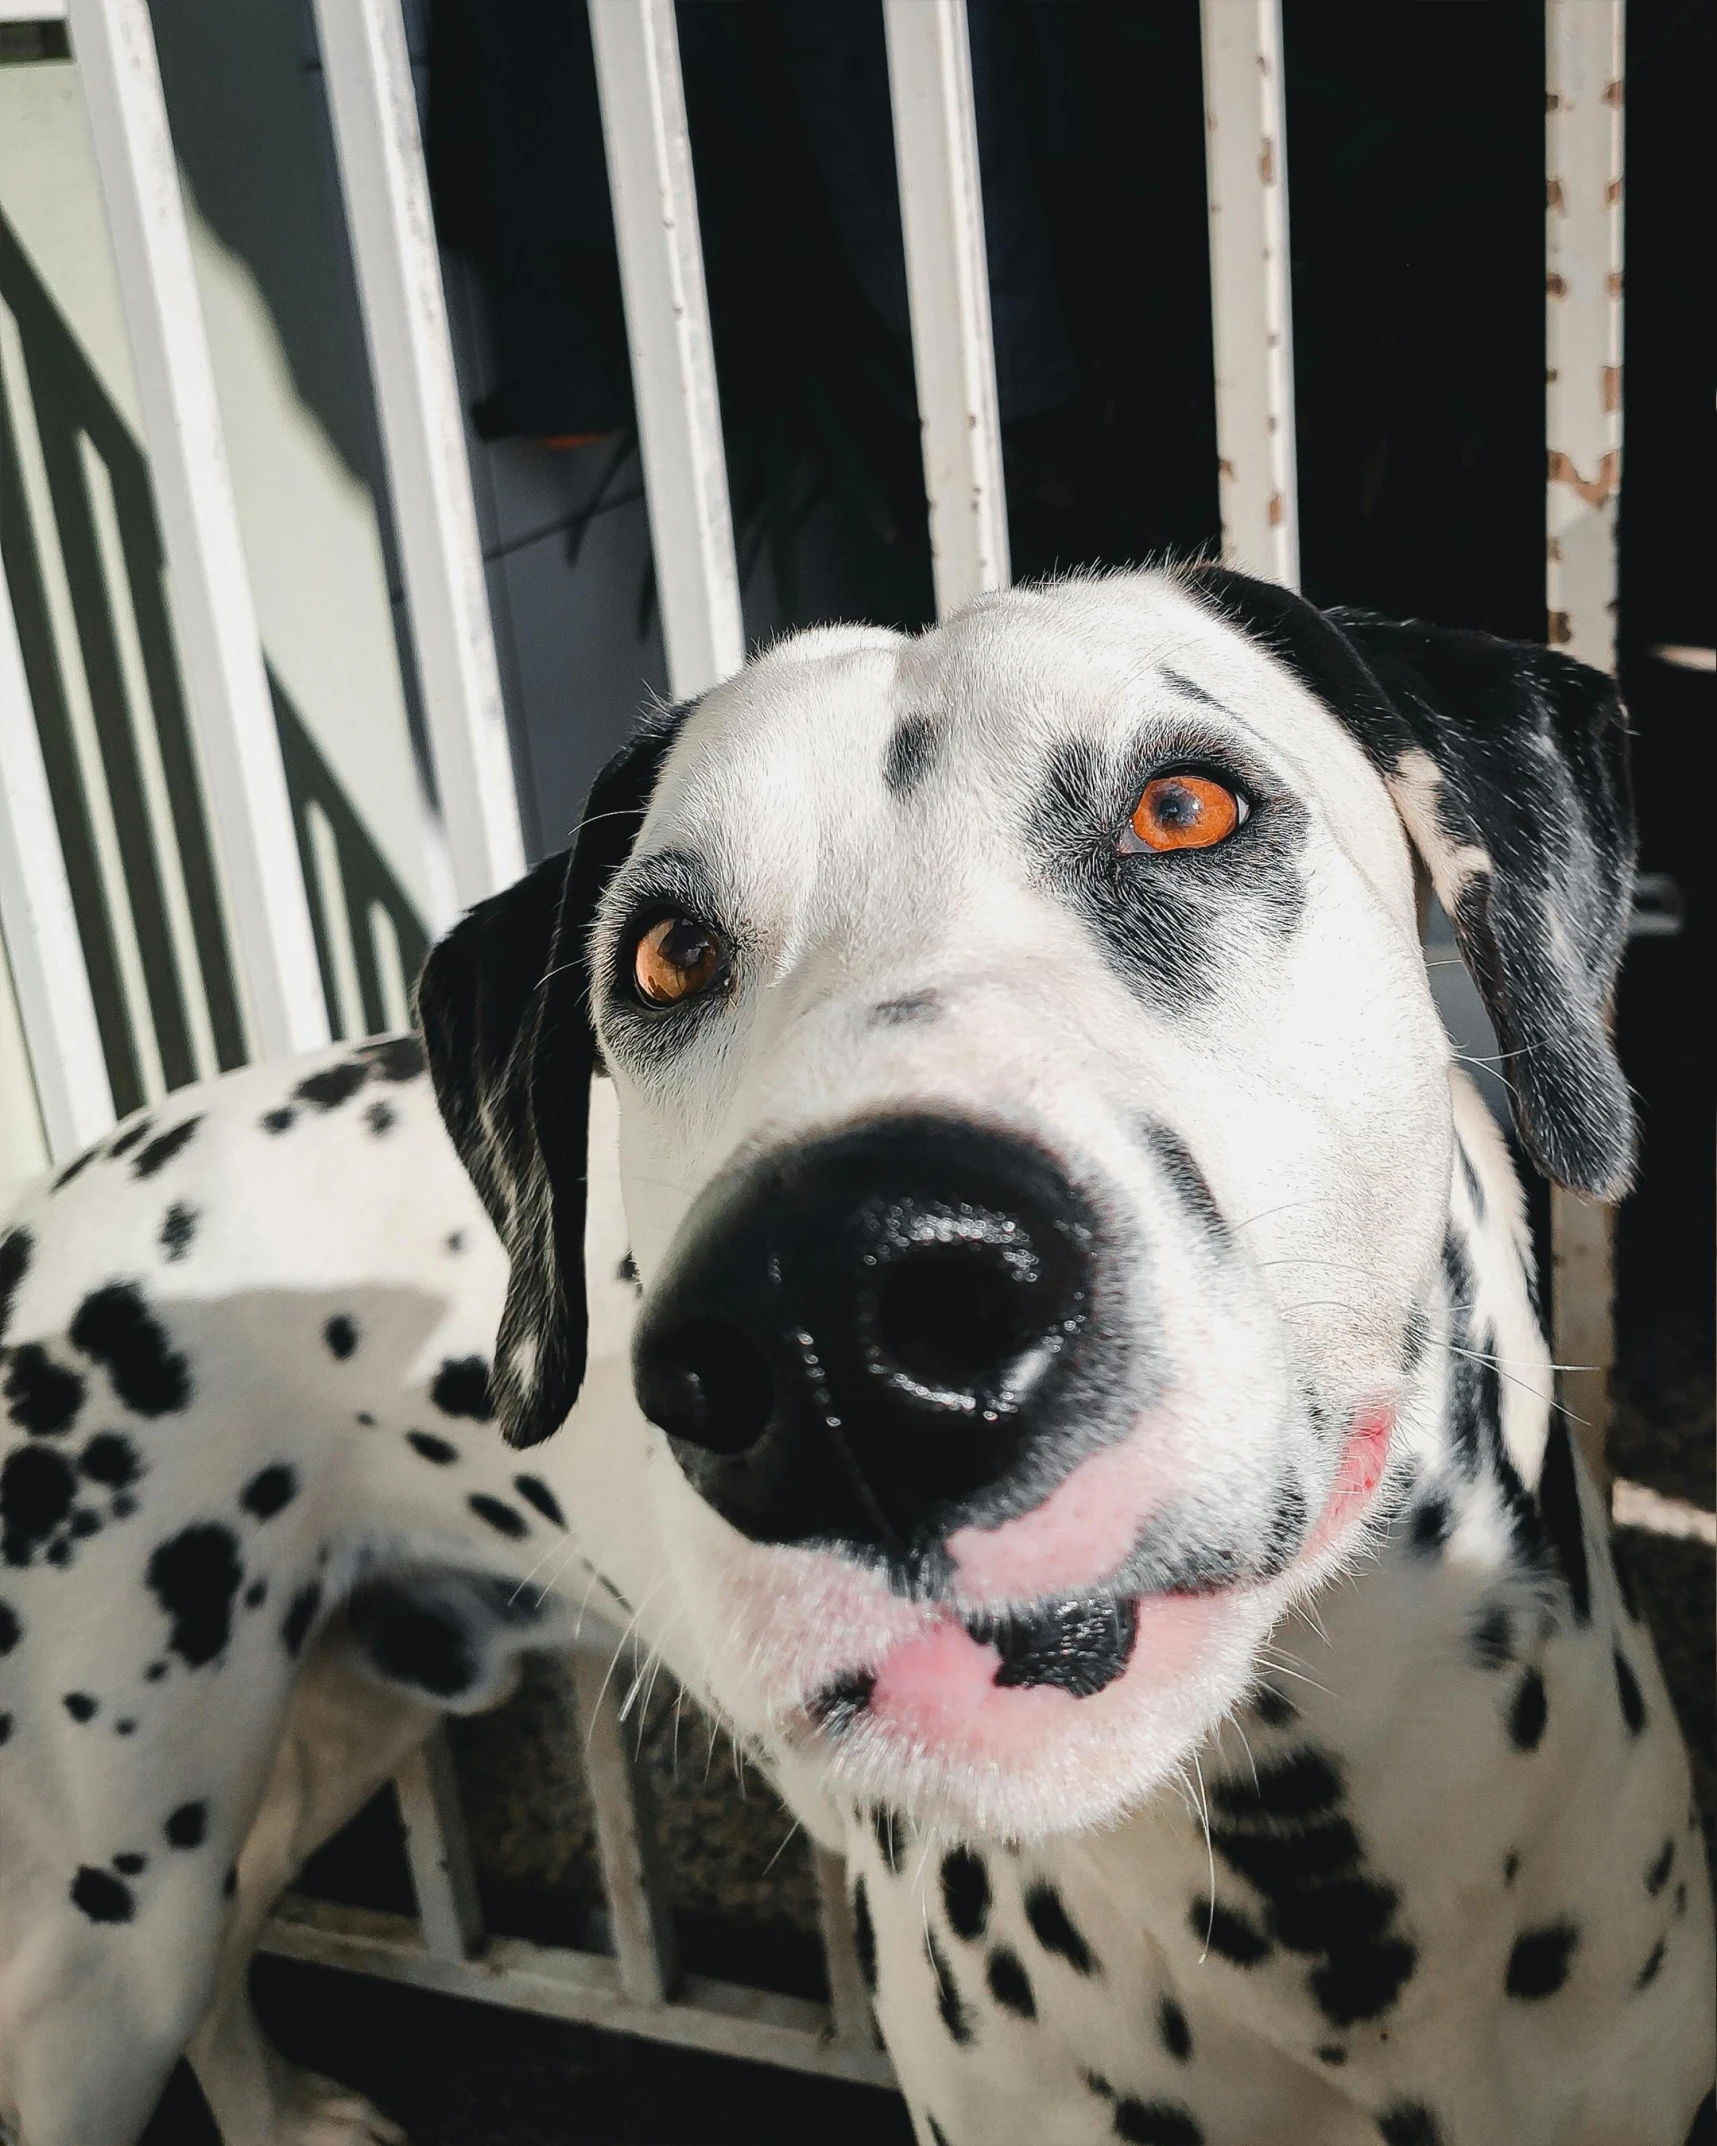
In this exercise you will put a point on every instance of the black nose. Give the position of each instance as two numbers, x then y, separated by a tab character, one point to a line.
857	1339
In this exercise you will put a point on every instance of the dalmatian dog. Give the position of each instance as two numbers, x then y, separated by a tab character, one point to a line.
1086	1424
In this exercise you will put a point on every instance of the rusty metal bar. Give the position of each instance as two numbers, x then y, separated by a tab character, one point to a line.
438	1849
1583	54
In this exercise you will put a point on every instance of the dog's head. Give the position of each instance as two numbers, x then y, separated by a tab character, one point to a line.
1036	1139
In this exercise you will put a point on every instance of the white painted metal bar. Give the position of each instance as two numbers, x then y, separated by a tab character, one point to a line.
638	1906
1246	165
948	294
1583	54
39	926
725	2018
438	1850
32	10
667	330
226	686
373	104
849	1999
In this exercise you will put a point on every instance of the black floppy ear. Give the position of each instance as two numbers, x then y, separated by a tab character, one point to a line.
1508	765
503	1004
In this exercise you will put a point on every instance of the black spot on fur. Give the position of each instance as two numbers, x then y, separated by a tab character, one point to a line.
279	1121
1681	1898
890	1838
536	1492
938	2137
1510	1867
269	1490
1475	1191
125	1726
43	1397
1656	1878
432	1448
912	753
256	1594
413	1643
80	1706
965	1893
110	1458
178	1227
1492	1639
331	1087
393	1058
340	1335
1363	1981
229	1884
16	1248
1330	2053
1172	2026
1528	1712
1559	1502
864	1935
1619	1565
381	1118
5	1728
1155	2123
1053	1928
101	1896
300	1616
949	2002
124	1506
76	1167
188	1825
1290	1786
1649	1972
12	1630
36	1491
461	1388
1628	1692
1429	1525
1234	1935
86	1521
130	1864
1010	1985
164	1147
155	1672
1185	1180
503	1518
916	1006
1538	1965
1283	1862
194	1576
130	1138
1409	2123
116	1329
1274	1708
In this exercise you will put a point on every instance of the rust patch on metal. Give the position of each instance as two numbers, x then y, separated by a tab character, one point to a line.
1613	192
1612	388
1613	95
1613	283
1561	632
1556	285
1593	491
1554	198
1552	102
1275	510
1553	550
1267	162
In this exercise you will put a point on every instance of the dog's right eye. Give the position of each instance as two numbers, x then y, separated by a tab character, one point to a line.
676	959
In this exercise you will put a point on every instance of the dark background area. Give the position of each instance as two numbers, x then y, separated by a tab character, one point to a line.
1415	159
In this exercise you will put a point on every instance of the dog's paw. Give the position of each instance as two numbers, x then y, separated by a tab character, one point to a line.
321	2112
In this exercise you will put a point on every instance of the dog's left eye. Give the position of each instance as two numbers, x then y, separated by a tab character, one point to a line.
676	959
1184	811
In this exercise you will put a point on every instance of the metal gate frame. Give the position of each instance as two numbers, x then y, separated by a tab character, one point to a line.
639	1989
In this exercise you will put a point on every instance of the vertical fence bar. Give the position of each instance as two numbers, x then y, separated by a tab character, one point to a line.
380	153
1583	54
1246	164
948	294
667	330
39	925
638	1906
438	1850
226	686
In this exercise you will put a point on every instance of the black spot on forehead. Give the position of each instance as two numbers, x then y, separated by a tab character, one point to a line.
101	1896
1528	1711
194	1575
1227	1931
1155	2123
917	1006
461	1388
36	1491
1185	1179
164	1147
270	1489
340	1335
536	1492
12	1630
1174	929
949	2002
187	1826
1010	1985
300	1616
1539	1963
110	1459
178	1227
965	1892
16	1247
42	1397
1053	1928
115	1328
130	1137
505	1519
438	1450
332	1086
912	753
864	1935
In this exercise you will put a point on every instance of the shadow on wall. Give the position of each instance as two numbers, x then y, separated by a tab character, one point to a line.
86	572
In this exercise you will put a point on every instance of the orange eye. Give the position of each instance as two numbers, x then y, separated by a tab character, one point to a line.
675	960
1186	812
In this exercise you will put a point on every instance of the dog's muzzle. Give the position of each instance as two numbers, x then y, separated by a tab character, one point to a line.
856	1339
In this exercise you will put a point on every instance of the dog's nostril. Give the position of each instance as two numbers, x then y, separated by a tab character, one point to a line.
954	1315
707	1384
